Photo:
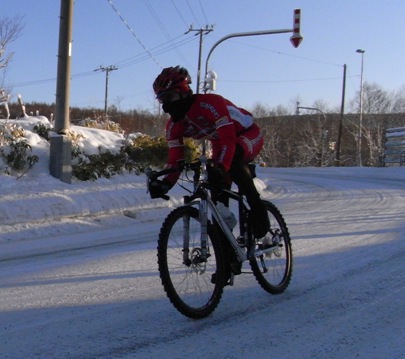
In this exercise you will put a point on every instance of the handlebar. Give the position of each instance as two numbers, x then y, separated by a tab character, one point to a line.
195	166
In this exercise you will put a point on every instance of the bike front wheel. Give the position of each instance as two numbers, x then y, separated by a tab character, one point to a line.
192	280
272	260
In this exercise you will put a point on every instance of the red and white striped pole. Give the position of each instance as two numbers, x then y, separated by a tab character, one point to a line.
296	38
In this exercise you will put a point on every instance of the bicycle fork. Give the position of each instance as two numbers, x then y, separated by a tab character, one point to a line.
199	254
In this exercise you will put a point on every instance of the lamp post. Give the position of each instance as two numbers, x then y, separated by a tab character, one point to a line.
359	161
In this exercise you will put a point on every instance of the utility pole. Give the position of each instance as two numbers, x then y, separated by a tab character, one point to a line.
200	32
340	127
60	150
107	70
359	160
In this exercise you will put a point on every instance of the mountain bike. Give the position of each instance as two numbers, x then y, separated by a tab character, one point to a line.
198	254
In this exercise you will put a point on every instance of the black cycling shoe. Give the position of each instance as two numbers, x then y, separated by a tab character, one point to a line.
260	220
214	278
228	281
236	267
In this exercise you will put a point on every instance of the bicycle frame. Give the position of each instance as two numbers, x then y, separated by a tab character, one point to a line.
206	205
201	197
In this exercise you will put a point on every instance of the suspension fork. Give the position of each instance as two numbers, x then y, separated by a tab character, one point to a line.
203	210
203	219
186	240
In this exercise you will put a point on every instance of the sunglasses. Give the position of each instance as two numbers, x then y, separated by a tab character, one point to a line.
168	96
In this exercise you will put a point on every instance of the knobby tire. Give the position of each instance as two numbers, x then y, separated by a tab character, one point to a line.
189	286
273	270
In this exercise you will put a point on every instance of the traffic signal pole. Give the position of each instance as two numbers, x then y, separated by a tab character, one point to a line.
295	39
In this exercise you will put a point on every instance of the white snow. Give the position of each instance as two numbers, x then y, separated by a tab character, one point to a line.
79	279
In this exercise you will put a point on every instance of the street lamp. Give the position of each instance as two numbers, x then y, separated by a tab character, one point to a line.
359	162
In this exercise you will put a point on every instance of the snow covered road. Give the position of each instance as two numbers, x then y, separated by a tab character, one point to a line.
96	293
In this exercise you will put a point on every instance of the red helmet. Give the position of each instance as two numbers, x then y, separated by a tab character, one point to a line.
172	79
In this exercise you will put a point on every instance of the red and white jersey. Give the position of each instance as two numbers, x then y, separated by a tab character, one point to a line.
213	118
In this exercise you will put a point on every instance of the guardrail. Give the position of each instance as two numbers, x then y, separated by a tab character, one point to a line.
394	151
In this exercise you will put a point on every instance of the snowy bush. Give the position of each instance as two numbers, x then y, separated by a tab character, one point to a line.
153	151
103	165
15	150
43	130
96	152
103	125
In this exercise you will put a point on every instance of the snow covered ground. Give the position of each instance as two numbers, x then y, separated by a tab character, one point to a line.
78	272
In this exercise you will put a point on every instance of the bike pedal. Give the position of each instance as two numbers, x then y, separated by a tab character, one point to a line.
230	281
241	241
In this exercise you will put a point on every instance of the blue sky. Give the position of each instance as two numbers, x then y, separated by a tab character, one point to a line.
263	69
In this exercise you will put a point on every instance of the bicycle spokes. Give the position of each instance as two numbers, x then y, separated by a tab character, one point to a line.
272	260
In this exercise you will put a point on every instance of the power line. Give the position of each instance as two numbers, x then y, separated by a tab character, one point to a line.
53	79
192	13
122	63
280	81
162	28
179	13
159	50
285	54
133	33
204	14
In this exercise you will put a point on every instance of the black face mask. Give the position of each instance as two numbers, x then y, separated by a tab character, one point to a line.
178	109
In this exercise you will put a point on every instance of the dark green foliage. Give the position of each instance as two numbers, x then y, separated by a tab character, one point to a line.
103	165
19	159
15	150
42	130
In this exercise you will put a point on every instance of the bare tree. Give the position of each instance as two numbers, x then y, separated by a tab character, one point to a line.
260	111
398	105
321	105
312	144
375	100
10	30
373	132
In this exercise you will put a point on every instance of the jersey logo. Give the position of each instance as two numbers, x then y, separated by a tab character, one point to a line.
174	143
211	108
222	122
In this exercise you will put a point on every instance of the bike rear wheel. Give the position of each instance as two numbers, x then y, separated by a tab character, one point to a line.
193	285
272	260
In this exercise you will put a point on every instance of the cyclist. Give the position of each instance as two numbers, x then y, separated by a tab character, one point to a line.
235	138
